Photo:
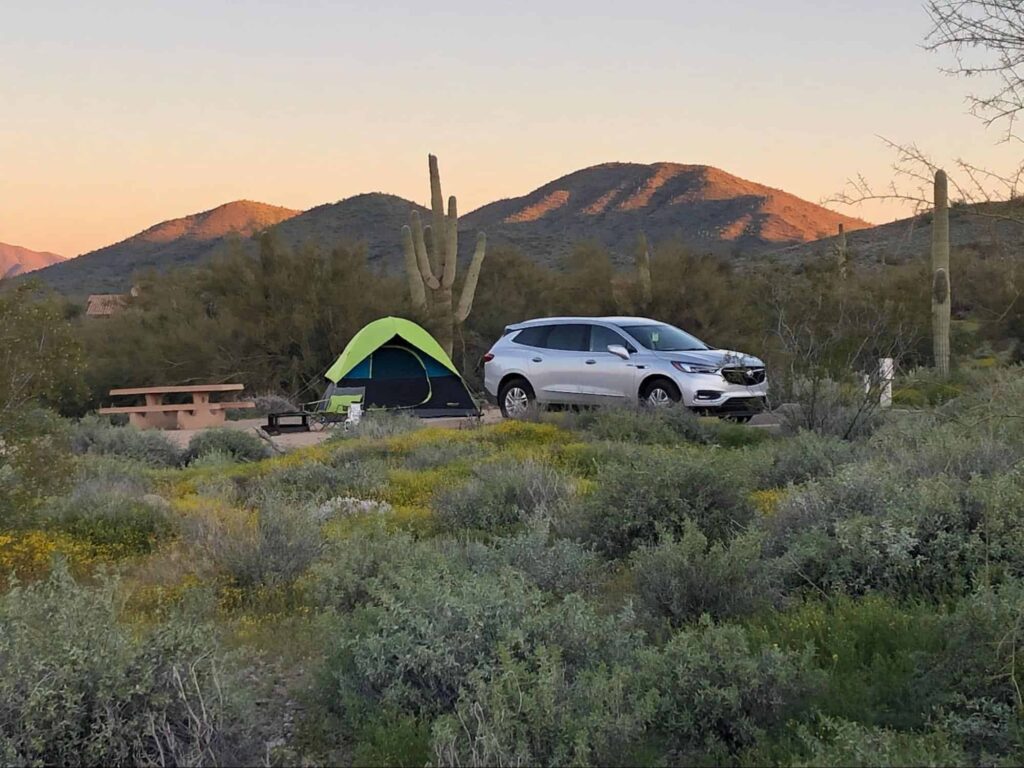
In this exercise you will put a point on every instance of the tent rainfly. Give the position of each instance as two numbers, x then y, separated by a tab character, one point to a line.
400	366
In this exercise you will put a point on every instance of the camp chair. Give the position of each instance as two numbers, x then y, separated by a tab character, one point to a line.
334	406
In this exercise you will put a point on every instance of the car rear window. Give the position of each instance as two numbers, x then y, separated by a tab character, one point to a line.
533	337
571	337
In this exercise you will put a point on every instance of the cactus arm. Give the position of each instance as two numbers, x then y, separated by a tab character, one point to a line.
422	260
472	276
437	252
416	290
452	248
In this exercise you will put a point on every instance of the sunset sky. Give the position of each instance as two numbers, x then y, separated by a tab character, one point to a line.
118	114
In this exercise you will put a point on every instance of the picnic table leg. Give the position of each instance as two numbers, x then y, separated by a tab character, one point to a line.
154	420
201	415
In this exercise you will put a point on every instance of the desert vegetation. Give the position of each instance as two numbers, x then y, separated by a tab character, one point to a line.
608	587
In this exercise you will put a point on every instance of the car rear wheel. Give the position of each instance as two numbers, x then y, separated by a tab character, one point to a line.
660	393
516	399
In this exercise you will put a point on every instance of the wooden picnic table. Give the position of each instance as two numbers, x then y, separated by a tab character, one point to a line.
198	414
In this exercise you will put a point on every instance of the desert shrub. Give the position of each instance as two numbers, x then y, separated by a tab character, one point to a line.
533	711
803	457
556	565
977	671
929	447
35	462
438	454
391	739
270	547
240	445
719	694
654	491
651	426
371	561
877	654
680	579
313	481
414	645
501	496
94	434
826	407
930	537
730	434
112	517
380	424
840	743
96	692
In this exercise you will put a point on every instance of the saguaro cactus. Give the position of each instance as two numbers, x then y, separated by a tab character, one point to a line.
431	268
941	300
643	271
842	258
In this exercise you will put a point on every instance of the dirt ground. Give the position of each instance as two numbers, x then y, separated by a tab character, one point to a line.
293	440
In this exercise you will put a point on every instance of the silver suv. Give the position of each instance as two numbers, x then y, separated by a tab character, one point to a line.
625	360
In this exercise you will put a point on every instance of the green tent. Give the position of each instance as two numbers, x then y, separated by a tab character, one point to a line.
399	366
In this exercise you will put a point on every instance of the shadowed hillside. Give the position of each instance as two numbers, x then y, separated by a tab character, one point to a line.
373	220
984	229
704	207
15	260
173	243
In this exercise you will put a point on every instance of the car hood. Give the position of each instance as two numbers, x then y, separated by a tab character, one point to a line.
720	358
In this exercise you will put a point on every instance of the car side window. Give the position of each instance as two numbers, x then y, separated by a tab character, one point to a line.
533	337
601	337
570	337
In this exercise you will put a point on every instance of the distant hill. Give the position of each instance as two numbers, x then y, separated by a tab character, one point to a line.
15	260
702	206
173	243
986	229
373	220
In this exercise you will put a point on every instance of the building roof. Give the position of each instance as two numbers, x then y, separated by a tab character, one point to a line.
105	304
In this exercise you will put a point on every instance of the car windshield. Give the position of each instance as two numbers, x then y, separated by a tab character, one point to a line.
662	337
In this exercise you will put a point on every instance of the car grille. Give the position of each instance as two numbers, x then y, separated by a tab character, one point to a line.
744	376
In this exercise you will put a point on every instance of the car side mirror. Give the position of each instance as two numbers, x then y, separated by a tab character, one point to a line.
619	351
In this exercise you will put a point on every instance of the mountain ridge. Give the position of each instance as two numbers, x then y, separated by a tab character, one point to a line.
705	207
18	260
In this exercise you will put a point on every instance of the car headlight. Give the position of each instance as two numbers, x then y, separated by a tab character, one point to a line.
693	367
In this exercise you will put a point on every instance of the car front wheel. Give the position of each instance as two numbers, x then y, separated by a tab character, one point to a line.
660	393
516	399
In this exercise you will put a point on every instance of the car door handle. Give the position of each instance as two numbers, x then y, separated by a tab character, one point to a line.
538	359
591	362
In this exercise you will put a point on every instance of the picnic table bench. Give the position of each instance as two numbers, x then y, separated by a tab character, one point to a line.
198	414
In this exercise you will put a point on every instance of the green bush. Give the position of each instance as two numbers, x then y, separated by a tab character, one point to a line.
559	566
802	457
415	643
35	463
718	694
533	711
79	688
680	579
651	426
273	548
111	516
240	445
315	482
439	454
840	743
501	496
655	490
379	425
878	655
93	434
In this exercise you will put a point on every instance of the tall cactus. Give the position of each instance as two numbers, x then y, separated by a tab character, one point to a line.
842	257
941	299
643	271
431	268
